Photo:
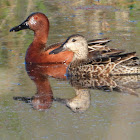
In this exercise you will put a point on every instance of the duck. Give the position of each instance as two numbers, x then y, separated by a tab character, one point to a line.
38	51
81	66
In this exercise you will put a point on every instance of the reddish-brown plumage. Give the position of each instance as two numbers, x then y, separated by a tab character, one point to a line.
35	55
38	52
43	98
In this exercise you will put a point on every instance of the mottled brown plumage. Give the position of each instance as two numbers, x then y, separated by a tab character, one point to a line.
100	65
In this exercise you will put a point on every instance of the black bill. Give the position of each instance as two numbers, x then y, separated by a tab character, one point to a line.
22	26
57	50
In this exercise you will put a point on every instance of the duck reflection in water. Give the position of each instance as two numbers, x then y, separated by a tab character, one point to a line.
78	104
43	98
81	102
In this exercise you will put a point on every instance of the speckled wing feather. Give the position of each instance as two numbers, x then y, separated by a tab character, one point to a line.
98	48
113	65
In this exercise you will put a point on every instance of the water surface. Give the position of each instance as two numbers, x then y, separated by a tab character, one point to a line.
111	115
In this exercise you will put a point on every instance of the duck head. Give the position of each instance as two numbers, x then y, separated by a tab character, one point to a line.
36	21
75	43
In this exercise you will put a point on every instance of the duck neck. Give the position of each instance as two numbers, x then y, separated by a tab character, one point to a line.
81	55
37	46
41	36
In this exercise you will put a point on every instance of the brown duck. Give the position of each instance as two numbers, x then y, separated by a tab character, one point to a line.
99	65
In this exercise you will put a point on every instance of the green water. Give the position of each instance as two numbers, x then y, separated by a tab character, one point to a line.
110	116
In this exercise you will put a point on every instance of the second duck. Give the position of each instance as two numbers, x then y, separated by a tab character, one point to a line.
81	66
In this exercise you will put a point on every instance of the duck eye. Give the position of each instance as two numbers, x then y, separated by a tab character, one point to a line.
73	40
35	18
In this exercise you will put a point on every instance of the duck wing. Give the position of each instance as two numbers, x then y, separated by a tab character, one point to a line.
123	64
98	47
105	66
98	41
